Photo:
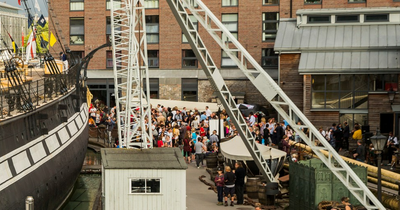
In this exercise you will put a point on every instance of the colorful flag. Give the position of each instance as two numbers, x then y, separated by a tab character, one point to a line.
15	47
19	2
30	20
43	43
23	41
31	47
42	21
53	39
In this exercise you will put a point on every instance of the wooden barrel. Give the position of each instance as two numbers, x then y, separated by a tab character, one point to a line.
252	187
262	195
221	158
211	160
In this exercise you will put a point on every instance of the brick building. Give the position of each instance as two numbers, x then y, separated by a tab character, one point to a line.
174	71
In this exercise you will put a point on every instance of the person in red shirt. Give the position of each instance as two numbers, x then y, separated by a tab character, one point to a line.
202	130
160	143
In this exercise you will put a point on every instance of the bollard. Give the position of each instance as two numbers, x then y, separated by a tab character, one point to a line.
29	201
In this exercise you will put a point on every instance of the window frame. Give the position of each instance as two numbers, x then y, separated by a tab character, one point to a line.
371	21
196	81
108	4
264	4
234	33
145	179
158	59
154	87
347	21
189	58
111	59
158	4
149	33
77	34
196	24
356	2
76	1
264	56
228	58
307	3
230	5
264	32
318	22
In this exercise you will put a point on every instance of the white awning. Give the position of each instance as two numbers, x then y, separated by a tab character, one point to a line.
235	149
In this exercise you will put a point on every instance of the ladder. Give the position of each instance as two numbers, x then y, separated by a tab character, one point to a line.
268	88
130	66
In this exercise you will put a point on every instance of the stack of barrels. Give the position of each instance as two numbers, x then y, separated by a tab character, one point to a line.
212	161
252	187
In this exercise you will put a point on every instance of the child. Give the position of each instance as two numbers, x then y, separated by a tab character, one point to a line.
219	181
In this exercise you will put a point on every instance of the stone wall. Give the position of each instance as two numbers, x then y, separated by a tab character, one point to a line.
170	88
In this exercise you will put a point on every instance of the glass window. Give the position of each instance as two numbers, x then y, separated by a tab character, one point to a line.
152	56
144	186
270	25
312	1
189	59
77	31
357	1
269	58
347	18
76	5
270	2
352	119
109	59
195	25
226	61
154	87
230	21
383	82
189	89
117	4
319	19
152	34
376	17
150	4
229	3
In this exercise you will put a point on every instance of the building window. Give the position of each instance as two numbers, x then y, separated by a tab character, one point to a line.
76	5
194	21
352	119
348	91
152	57
269	58
150	4
230	21
226	61
109	59
270	2
319	19
145	186
357	1
347	18
376	18
189	59
154	87
77	31
117	4
152	34
108	29
312	1
229	3
189	89
270	25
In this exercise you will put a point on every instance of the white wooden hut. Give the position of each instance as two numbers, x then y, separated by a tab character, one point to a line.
143	179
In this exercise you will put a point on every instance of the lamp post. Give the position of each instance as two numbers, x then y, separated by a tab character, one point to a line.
219	118
391	94
379	142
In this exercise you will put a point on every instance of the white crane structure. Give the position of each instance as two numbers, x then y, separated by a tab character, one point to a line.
130	67
260	79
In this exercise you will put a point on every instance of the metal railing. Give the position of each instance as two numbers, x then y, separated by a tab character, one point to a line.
38	92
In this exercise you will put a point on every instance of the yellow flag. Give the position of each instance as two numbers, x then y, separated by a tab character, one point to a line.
53	39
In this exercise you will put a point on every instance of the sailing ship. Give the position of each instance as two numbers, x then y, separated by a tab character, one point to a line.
43	129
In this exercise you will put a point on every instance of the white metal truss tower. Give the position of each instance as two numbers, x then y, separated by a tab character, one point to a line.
128	35
268	88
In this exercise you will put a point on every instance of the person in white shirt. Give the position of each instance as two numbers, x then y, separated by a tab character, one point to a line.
208	112
252	119
393	146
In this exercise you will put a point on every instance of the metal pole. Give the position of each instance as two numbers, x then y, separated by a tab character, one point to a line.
379	176
29	203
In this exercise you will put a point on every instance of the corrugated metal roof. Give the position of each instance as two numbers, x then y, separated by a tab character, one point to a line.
156	158
361	37
318	62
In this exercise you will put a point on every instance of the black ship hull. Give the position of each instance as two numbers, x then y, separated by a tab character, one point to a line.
44	166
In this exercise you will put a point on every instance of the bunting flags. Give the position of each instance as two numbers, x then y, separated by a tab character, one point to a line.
53	39
23	39
19	2
42	21
31	47
15	47
30	20
43	42
37	5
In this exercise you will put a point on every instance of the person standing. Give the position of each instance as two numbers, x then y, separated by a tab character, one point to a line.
360	152
63	58
357	134
199	148
240	173
219	181
346	135
229	179
346	203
